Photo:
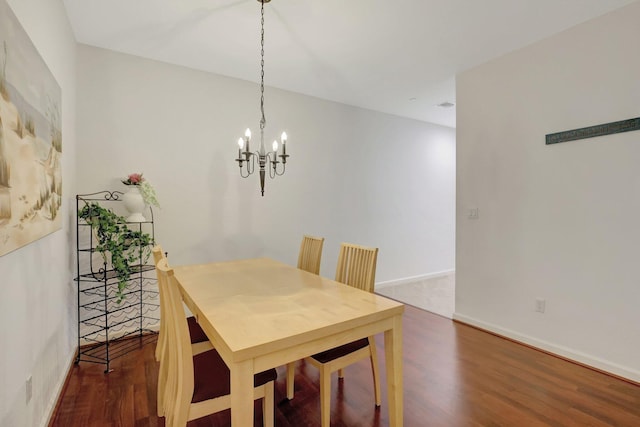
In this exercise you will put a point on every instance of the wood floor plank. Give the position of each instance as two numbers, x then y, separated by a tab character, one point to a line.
454	375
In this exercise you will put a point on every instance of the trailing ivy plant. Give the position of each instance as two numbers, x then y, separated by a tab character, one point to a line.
127	248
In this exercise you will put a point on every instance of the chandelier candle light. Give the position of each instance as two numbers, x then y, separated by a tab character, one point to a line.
266	160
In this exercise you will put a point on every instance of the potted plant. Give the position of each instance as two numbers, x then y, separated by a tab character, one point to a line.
140	195
127	248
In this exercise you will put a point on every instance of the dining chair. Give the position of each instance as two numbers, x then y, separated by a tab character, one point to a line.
198	337
356	267
199	341
308	260
199	385
310	254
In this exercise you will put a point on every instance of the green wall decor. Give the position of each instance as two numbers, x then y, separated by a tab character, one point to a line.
593	131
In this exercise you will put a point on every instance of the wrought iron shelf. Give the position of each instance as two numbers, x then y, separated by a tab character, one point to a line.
103	353
111	324
101	276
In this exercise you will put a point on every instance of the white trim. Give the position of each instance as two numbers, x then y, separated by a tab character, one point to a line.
390	283
577	356
51	406
72	360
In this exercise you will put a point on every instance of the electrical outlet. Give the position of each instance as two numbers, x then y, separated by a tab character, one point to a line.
29	388
473	213
540	305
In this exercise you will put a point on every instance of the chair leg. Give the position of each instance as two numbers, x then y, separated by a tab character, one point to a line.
181	413
375	370
159	344
267	405
162	335
162	387
291	370
325	396
160	399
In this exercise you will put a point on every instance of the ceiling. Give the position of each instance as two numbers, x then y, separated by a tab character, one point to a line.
396	56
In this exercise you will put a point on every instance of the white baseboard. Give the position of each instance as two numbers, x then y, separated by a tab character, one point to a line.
585	359
51	406
390	283
49	412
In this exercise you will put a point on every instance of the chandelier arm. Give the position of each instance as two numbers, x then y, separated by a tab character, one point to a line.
251	163
273	171
242	175
241	163
284	168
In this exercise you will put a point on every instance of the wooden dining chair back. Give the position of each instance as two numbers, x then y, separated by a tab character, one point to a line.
199	385
164	388
157	256
198	337
199	341
356	267
310	254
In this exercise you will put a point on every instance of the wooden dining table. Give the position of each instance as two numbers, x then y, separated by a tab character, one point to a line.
261	313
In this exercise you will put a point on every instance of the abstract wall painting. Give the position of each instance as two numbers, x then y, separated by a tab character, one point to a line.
30	139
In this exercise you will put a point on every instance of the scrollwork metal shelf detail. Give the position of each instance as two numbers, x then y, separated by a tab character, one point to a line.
111	325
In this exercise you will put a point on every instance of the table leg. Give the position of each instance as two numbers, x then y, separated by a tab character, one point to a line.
393	360
242	394
291	372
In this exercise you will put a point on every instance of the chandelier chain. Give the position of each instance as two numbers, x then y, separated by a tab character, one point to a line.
262	120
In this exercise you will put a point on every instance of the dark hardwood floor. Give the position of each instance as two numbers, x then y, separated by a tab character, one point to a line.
454	375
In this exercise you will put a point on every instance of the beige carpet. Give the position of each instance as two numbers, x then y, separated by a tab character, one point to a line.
436	294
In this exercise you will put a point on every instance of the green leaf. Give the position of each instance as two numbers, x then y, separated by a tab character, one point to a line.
125	246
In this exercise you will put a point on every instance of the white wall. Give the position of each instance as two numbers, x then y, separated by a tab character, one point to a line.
353	175
37	306
557	222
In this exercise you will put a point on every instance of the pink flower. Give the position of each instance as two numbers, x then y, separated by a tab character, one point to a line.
133	179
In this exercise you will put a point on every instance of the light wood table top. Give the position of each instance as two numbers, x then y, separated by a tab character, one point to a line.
260	314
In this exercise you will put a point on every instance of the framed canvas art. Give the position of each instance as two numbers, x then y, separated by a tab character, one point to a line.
30	139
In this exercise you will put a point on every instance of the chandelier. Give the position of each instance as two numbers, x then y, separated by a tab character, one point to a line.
267	161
